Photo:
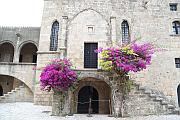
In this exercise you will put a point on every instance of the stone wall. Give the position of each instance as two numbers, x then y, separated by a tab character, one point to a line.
25	33
24	72
6	83
42	97
151	21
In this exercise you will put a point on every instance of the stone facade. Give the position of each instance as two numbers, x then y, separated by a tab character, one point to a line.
99	21
18	47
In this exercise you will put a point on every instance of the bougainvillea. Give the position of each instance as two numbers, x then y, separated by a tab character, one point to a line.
132	57
58	75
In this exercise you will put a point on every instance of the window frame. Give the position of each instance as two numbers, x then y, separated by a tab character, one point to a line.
54	36
176	27
125	32
173	6
177	62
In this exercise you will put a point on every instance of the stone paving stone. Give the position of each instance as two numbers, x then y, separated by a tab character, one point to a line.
28	111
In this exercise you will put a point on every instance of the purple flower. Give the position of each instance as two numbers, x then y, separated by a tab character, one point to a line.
58	75
122	61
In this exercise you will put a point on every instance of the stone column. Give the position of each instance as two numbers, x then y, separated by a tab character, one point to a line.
113	30
61	103
16	51
62	44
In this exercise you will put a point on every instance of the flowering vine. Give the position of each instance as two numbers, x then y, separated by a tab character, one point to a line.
122	60
132	57
58	75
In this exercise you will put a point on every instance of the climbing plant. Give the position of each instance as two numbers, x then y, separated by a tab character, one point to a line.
119	61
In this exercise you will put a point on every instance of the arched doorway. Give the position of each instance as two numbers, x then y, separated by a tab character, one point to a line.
178	93
1	91
84	96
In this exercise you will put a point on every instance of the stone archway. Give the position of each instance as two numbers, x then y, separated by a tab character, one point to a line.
103	90
22	92
6	52
85	94
1	91
178	93
28	53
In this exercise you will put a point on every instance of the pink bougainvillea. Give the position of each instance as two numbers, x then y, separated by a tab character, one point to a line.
133	57
58	75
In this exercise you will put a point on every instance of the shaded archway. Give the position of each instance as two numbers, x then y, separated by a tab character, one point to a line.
103	90
28	53
6	52
1	91
10	84
85	94
178	93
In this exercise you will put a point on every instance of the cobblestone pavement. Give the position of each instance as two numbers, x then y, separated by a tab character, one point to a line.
28	111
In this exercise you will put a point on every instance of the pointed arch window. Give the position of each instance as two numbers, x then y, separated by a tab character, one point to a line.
125	32
176	27
54	36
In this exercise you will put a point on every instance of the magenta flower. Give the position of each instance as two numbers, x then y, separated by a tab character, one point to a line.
133	57
58	75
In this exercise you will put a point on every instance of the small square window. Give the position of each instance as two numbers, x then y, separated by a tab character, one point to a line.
177	62
90	29
173	6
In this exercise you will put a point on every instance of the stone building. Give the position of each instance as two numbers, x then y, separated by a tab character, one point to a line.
74	29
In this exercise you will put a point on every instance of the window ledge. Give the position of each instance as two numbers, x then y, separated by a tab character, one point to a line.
48	52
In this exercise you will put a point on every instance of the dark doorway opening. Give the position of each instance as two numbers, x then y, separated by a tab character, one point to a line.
178	93
84	96
1	91
90	57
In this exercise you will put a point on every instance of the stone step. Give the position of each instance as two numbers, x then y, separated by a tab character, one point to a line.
152	95
164	102
159	99
170	106
177	111
6	95
13	90
148	91
2	97
10	92
17	89
141	88
21	86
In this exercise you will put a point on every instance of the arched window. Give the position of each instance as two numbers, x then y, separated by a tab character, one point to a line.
54	36
125	32
176	27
